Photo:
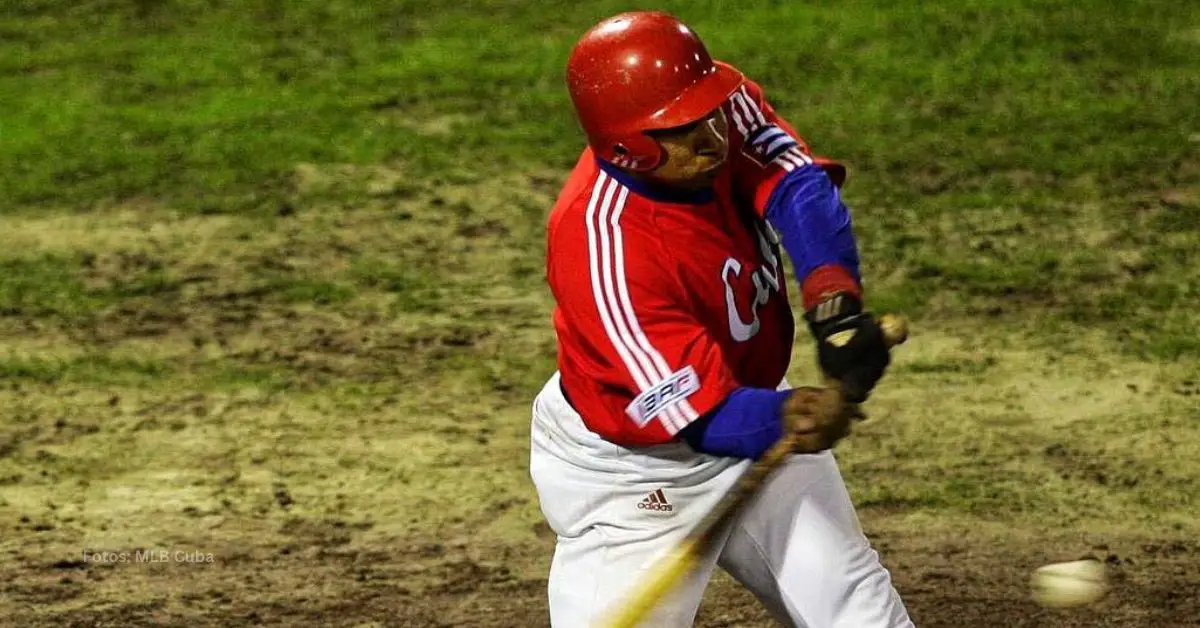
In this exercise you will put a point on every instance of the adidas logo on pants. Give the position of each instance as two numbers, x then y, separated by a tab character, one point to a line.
656	501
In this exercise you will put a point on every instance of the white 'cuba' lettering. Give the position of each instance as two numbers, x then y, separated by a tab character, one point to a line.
765	280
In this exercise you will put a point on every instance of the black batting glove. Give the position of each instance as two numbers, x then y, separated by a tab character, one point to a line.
850	344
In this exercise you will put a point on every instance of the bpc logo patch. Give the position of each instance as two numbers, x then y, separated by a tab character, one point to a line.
671	390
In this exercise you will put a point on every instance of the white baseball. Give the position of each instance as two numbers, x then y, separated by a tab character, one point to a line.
1063	585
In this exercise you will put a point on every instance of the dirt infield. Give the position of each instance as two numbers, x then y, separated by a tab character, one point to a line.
321	577
267	431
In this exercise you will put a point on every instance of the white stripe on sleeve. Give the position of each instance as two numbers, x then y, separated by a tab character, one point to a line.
597	293
777	142
751	124
792	158
625	307
645	364
762	120
737	118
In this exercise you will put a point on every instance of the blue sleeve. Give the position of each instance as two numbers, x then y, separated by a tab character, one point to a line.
744	426
813	223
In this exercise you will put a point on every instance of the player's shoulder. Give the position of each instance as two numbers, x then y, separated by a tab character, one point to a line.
752	90
574	188
599	224
595	204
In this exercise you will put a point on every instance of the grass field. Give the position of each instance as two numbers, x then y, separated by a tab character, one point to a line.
271	300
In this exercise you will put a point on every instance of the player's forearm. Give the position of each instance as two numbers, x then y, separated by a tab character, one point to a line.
814	225
815	229
748	422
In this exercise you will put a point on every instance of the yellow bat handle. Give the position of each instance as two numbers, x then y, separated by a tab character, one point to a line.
671	569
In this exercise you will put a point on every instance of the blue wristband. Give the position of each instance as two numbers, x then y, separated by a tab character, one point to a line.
744	426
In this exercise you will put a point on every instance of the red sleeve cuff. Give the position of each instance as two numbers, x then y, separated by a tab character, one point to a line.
824	282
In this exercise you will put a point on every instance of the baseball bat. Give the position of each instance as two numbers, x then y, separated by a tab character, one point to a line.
683	558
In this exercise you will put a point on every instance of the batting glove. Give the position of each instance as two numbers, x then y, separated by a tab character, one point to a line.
850	344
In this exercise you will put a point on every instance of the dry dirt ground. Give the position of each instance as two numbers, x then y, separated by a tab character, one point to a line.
951	580
266	428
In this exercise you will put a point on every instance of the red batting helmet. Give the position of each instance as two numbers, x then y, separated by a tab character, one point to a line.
641	71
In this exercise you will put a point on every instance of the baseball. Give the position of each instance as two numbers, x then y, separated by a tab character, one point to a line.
1064	585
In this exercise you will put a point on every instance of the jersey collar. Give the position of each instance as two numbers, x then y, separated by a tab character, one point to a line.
656	192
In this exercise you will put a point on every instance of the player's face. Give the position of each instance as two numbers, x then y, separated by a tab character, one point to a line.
695	152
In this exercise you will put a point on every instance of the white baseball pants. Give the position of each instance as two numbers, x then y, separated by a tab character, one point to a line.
797	547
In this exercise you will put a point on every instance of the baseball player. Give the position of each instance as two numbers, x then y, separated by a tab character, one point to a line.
675	332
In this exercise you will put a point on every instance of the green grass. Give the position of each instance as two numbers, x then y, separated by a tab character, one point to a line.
1070	122
42	286
412	288
95	368
321	293
215	102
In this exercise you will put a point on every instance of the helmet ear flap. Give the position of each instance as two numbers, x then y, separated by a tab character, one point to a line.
636	152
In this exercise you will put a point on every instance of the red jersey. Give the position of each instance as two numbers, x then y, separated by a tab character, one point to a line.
666	303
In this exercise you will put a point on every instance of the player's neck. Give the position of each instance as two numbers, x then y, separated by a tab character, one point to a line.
654	189
687	186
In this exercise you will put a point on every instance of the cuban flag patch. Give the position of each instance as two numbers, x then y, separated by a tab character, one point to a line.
766	143
679	386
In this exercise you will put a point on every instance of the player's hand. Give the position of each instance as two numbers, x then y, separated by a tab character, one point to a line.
850	345
817	417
